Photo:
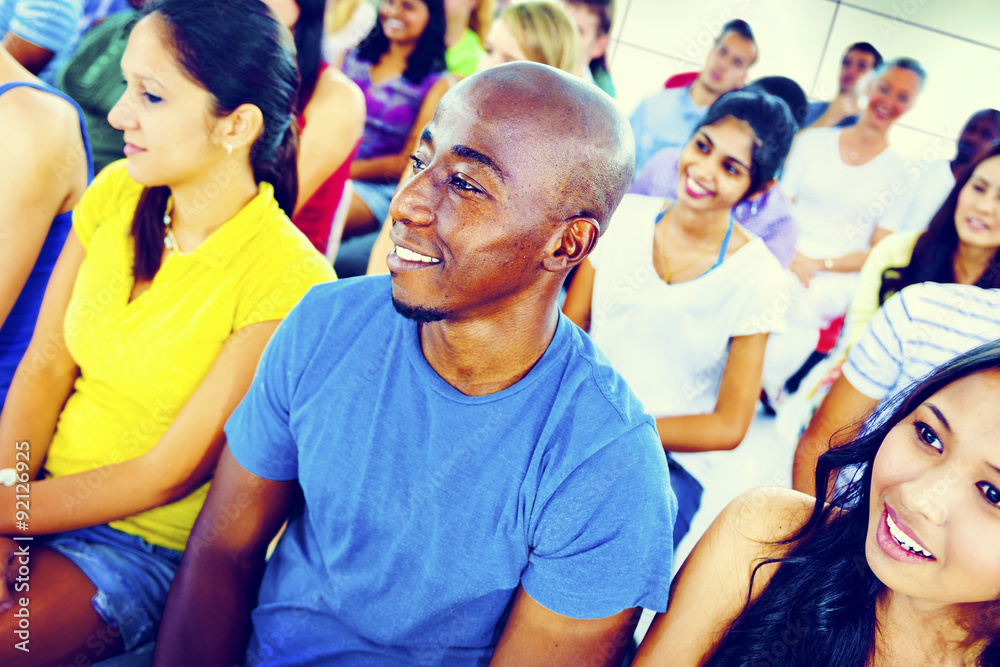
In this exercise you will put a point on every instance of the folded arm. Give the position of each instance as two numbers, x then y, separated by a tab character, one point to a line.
727	424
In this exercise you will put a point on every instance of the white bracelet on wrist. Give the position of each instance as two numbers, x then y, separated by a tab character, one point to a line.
8	477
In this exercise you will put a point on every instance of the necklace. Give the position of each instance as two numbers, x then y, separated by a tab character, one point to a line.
169	242
666	264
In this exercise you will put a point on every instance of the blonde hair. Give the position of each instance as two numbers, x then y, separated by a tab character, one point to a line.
545	33
338	14
482	19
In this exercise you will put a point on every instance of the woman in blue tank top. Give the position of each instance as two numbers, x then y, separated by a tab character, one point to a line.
48	167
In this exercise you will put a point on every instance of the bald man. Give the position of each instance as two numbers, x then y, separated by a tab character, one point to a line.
465	478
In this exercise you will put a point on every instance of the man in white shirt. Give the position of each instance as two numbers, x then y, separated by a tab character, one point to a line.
935	180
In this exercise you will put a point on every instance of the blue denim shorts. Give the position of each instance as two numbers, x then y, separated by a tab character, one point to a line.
376	197
132	577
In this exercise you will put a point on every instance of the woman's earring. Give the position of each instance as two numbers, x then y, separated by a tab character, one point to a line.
229	149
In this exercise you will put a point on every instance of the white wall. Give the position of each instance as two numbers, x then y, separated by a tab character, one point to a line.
957	41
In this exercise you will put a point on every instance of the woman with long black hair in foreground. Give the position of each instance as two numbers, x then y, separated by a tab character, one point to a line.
900	568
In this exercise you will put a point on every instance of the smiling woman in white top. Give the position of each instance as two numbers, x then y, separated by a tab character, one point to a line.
681	299
843	182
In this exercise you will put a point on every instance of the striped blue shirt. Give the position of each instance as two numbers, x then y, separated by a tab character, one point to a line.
916	331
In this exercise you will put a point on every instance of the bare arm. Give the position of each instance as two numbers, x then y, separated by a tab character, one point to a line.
335	121
842	407
711	588
534	635
45	376
390	167
181	461
805	268
34	58
739	390
207	616
844	105
38	184
579	295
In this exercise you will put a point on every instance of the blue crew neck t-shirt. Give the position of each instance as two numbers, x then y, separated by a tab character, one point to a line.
426	508
666	118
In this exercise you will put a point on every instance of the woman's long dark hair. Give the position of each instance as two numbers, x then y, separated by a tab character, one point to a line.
309	47
819	607
238	52
933	258
427	56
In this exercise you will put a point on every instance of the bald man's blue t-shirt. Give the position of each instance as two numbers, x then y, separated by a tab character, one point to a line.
426	508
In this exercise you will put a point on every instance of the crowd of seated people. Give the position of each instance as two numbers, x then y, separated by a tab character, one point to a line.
497	446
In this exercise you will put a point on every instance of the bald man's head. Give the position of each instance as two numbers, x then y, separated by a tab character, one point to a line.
566	127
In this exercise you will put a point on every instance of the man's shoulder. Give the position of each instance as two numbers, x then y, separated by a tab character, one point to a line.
595	389
347	305
359	293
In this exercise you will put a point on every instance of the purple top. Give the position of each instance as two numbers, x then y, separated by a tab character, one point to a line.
768	216
392	107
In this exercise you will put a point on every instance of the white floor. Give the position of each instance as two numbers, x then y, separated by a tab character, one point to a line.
763	459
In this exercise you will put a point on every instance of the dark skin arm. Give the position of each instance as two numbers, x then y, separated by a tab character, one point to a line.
535	635
33	57
207	616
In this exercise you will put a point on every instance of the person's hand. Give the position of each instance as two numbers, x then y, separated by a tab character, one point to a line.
842	106
805	268
8	572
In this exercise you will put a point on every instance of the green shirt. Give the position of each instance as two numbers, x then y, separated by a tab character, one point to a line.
463	58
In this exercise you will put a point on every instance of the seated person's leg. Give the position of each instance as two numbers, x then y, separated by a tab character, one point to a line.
94	592
369	205
62	624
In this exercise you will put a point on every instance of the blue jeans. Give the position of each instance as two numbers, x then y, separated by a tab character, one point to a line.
132	577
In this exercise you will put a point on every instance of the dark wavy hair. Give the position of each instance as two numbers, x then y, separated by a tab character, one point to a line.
819	607
309	47
241	54
865	47
772	122
933	258
427	56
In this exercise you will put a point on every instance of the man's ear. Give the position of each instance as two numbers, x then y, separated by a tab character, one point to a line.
600	46
578	238
240	128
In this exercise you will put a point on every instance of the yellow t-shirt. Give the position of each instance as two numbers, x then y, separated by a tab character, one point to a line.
141	361
893	251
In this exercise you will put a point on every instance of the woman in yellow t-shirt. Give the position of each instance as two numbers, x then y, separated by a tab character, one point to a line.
180	264
959	246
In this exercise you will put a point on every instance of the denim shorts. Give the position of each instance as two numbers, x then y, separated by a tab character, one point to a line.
376	197
132	577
